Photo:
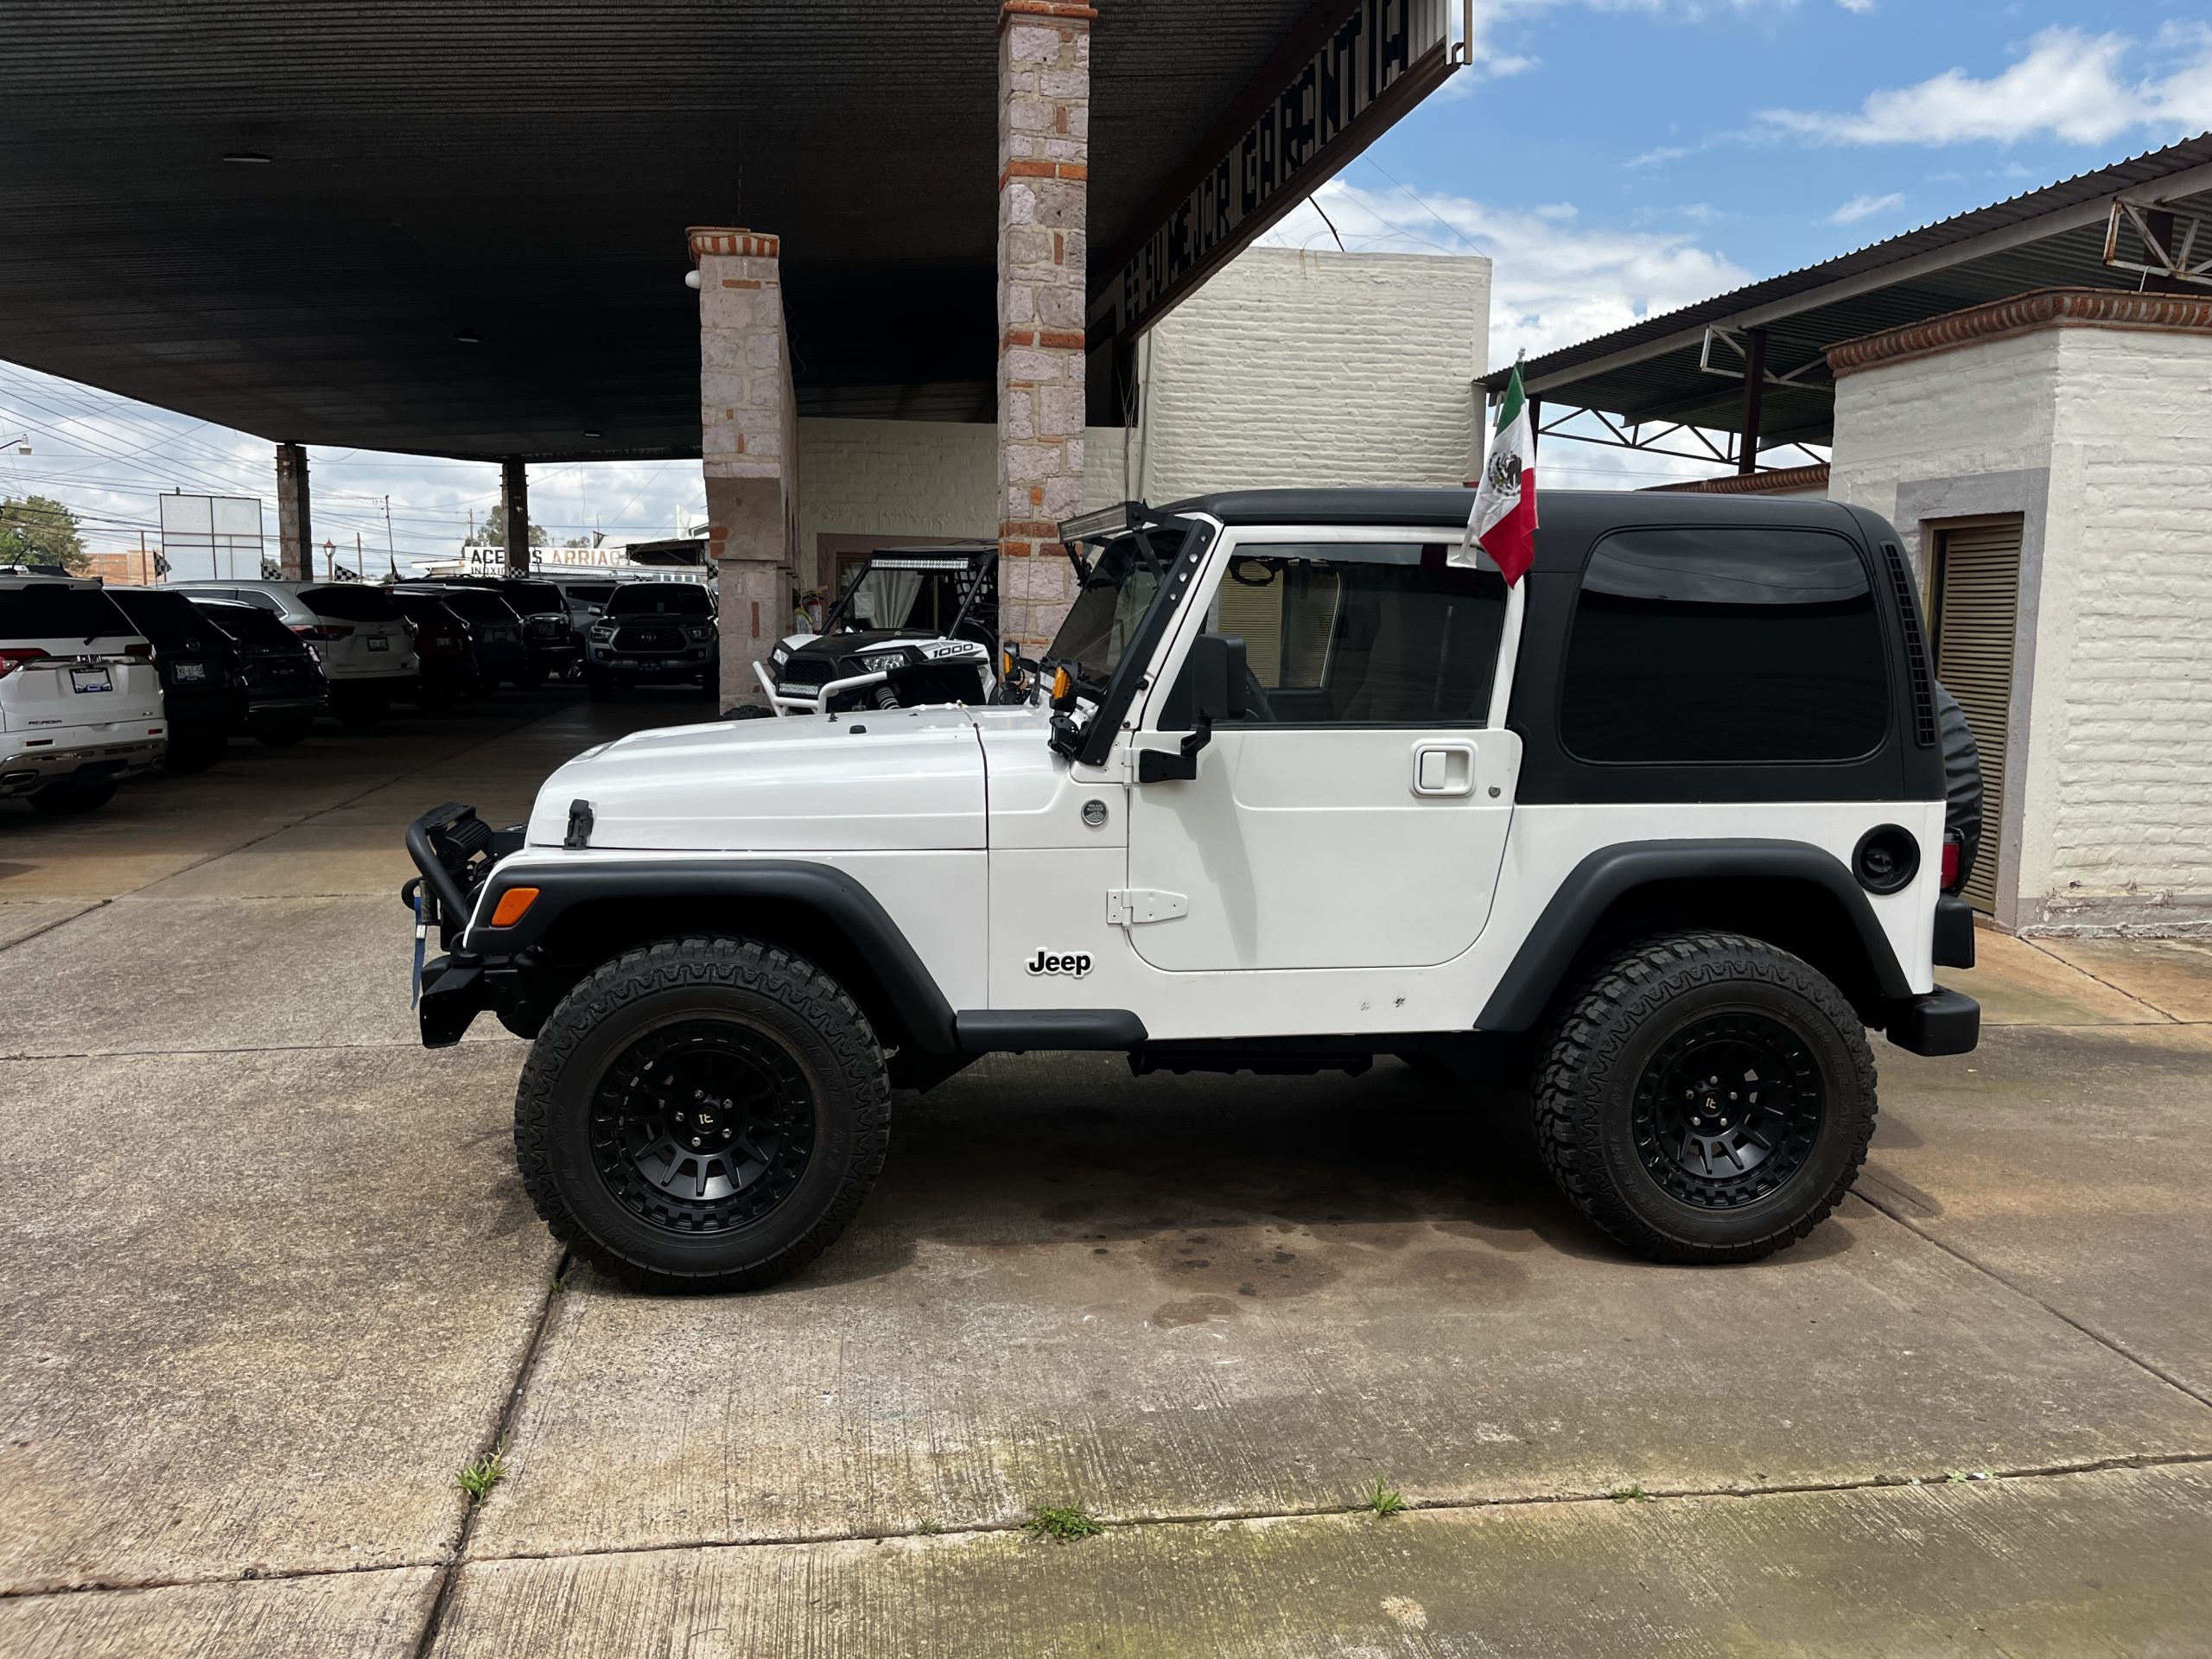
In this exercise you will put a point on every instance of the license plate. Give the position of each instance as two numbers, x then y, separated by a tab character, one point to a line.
90	679
379	642
188	673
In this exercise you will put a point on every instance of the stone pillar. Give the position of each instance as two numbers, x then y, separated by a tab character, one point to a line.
748	446
514	516
295	535
1043	173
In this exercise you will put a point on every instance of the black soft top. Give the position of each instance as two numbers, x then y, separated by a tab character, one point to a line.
1570	519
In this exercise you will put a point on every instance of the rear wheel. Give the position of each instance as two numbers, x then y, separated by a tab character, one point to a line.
194	752
59	800
1704	1097
703	1114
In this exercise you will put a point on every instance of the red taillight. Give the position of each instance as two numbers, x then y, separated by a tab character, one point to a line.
13	657
1950	862
322	630
141	650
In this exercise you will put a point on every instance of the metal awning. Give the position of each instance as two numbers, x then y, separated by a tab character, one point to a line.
1661	383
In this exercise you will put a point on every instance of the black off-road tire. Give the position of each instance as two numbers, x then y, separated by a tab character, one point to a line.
1622	1016
760	989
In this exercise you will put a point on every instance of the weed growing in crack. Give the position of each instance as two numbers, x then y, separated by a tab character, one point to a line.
1062	1524
1383	1500
1635	1494
928	1528
480	1474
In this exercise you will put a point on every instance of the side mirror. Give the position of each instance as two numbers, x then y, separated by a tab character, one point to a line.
1216	672
1212	688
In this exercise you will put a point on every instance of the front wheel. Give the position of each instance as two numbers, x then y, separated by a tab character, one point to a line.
703	1114
1704	1097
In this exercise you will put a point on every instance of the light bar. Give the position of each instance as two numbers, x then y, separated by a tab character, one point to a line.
1106	521
949	566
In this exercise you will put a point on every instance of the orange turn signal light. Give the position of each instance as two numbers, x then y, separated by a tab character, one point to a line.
1062	684
513	905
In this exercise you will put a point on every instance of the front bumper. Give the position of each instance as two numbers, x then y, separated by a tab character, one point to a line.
1944	1021
23	771
659	665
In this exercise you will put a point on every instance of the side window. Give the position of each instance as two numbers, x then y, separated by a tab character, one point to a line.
1713	646
1363	633
265	601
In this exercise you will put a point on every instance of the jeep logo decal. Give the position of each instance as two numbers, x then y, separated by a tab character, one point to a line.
1077	964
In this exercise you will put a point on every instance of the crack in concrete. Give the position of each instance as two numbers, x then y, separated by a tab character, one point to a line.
1958	1254
555	1287
450	1565
59	921
2164	1017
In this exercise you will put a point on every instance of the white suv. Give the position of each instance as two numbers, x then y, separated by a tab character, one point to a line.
80	699
366	645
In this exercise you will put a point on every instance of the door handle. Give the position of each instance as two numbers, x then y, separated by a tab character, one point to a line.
1444	769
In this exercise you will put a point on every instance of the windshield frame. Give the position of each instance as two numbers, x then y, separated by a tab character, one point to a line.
1176	562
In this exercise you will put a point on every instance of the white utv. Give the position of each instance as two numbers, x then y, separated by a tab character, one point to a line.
1666	822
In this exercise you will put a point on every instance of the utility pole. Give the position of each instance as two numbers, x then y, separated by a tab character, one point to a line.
391	557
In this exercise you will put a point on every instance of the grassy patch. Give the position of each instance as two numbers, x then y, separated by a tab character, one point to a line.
1630	1495
928	1528
480	1475
1062	1525
1379	1499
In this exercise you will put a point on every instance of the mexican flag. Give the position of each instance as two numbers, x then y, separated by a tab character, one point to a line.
1505	519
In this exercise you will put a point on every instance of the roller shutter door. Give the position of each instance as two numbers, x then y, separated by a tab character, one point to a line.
1977	608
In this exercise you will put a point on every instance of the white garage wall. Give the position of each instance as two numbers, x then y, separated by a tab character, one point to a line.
2097	437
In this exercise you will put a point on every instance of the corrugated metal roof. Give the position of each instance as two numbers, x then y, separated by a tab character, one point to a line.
1649	369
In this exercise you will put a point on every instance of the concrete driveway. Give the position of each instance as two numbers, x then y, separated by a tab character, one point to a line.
271	1281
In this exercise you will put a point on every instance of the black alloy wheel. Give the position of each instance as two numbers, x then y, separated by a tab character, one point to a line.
703	1125
703	1114
1703	1096
1728	1108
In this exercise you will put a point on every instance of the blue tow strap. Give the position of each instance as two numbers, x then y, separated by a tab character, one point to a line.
422	931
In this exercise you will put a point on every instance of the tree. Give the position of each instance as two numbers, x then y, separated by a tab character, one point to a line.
493	532
40	530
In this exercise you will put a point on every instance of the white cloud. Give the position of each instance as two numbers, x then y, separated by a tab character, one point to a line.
1866	207
1556	280
2068	85
1655	157
1860	8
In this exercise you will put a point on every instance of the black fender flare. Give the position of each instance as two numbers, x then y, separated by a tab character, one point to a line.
1591	886
563	885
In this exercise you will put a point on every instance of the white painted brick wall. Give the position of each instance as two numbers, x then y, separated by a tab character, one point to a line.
1287	368
1294	368
2115	827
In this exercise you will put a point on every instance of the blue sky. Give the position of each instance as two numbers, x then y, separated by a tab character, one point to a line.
1614	158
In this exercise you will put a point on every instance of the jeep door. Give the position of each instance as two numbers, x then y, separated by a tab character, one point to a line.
1356	814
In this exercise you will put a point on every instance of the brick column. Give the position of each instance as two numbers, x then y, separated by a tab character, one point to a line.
748	446
1043	170
294	536
514	515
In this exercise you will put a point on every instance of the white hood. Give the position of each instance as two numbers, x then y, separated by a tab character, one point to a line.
888	779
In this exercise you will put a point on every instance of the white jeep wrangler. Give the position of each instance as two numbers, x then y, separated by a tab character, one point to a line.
1666	822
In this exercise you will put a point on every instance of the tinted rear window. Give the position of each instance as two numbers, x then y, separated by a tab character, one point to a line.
51	611
534	598
351	604
250	626
170	621
659	599
1712	645
592	592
